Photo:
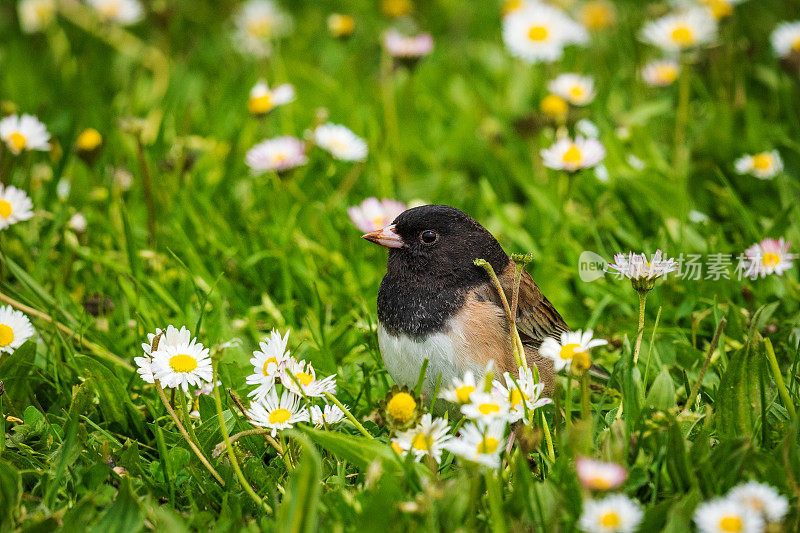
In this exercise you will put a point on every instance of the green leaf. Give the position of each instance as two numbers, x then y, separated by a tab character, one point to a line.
10	495
115	402
662	393
124	516
298	510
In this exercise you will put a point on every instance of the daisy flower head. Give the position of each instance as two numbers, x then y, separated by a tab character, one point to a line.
660	73
462	389
486	407
373	214
124	12
276	412
761	499
554	106
597	14
331	414
15	206
480	443
268	361
24	132
770	256
512	6
785	39
587	128
427	438
278	154
523	394
681	31
613	514
300	378
720	8
407	48
171	337
262	99
341	26
89	140
574	88
726	515
599	475
342	143
36	15
539	33
400	409
764	165
641	271
181	364
258	23
572	155
397	8
15	329
572	350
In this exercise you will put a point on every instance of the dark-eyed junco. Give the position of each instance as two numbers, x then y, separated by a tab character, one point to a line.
435	303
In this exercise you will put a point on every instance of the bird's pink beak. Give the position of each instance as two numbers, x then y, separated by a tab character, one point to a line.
387	237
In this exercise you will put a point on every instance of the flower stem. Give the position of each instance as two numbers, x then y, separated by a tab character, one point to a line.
586	410
219	448
711	349
548	438
349	415
185	434
684	89
518	358
642	301
776	374
495	502
568	403
231	453
185	415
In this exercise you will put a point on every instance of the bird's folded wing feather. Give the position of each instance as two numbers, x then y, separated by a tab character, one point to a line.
536	316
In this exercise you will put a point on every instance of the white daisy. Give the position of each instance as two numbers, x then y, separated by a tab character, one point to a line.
587	128
539	32
597	14
77	223
171	337
698	217
15	329
278	154
407	47
613	514
373	214
181	364
599	475
770	256
15	206
24	133
573	347
123	12
36	15
278	413
512	6
462	389
428	438
340	142
574	88
726	515
341	26
635	162
486	407
480	443
720	8
301	378
601	173
566	154
262	99
332	414
764	165
268	363
258	23
661	73
680	31
761	499
522	395
785	38
637	267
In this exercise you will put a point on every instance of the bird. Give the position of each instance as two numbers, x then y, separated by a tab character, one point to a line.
434	303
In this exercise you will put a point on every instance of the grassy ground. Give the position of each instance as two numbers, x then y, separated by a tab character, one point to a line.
235	255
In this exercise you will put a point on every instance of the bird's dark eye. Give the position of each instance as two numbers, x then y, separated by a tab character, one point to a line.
428	237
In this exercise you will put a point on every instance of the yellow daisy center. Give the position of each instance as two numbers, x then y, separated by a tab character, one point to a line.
110	9
488	445
43	11
568	351
762	161
401	407
731	524
258	105
683	36
182	363
719	8
260	27
463	392
6	335
509	6
770	259
341	25
599	482
304	378
488	408
279	416
597	15
396	8
88	140
757	504
421	442
379	221
516	396
796	45
576	91
572	155
278	158
553	105
5	208
266	365
609	519
397	448
537	33
17	141
666	73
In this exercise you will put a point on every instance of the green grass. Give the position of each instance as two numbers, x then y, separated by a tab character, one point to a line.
236	255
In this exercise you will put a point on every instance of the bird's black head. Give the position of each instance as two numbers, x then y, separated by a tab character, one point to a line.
441	243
